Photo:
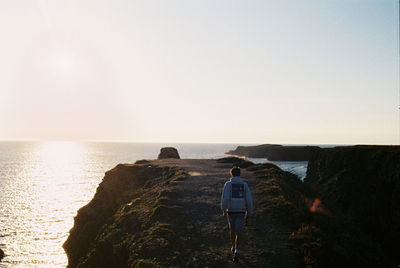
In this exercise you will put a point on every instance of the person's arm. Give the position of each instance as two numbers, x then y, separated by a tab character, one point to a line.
249	201
225	198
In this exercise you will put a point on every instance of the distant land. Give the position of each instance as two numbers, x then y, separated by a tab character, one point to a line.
275	152
163	213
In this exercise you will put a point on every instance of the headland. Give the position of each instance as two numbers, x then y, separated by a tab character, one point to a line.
165	213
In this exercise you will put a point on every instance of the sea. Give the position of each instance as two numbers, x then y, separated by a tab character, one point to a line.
43	184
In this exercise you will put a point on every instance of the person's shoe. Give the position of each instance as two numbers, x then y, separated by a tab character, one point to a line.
236	255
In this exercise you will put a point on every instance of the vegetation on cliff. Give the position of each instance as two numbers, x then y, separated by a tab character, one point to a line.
130	221
361	186
326	215
156	214
239	162
164	213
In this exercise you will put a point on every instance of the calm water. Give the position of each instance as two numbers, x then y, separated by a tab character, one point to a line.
42	185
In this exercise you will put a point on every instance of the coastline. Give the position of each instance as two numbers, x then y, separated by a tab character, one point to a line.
307	229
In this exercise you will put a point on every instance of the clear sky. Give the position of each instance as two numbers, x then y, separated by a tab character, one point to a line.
200	71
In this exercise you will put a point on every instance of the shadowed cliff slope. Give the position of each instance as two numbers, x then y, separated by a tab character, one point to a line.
129	219
362	183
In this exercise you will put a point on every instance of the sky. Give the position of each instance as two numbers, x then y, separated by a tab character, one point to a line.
227	71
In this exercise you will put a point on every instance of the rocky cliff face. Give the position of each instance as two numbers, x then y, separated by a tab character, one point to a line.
168	152
362	183
120	226
153	214
275	152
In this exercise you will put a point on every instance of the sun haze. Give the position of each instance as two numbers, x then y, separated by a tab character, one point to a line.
200	71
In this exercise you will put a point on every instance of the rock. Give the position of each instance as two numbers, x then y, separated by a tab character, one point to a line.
1	254
363	184
168	152
142	162
235	161
274	152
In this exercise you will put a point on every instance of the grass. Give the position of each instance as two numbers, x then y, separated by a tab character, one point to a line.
235	161
321	239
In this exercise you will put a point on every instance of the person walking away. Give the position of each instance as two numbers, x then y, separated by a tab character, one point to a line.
237	206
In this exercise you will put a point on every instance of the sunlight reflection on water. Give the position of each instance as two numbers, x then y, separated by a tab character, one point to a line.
45	196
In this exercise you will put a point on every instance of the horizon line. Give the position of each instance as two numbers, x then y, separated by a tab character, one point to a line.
184	142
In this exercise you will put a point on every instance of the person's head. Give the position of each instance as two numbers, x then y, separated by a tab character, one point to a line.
235	172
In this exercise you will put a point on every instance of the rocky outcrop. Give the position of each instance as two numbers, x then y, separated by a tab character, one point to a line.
129	222
1	254
362	183
168	152
142	161
235	161
275	152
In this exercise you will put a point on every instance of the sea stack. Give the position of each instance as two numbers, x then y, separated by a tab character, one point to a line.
168	152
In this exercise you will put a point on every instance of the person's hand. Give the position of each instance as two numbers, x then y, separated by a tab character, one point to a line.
224	214
246	217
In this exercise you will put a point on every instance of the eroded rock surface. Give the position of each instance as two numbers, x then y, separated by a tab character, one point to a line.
168	152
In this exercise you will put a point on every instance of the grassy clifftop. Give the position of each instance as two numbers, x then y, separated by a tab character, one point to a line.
131	221
165	213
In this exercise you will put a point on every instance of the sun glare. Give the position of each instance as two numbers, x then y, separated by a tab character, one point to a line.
45	194
60	151
63	63
61	163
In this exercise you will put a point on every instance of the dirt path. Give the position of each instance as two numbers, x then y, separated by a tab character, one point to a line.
264	241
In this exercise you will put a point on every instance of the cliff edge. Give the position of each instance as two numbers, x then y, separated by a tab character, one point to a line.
119	226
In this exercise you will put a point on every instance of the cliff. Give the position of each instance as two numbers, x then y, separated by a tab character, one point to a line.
275	152
362	185
119	227
165	213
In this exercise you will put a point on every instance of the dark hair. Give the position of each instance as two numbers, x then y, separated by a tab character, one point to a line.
235	171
